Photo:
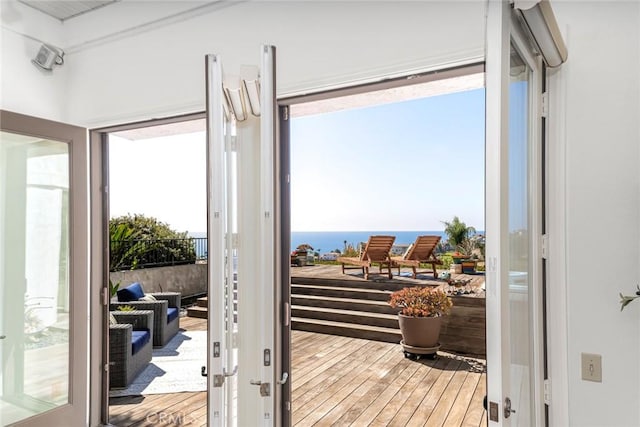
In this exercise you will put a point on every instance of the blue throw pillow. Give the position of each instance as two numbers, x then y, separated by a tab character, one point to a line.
133	292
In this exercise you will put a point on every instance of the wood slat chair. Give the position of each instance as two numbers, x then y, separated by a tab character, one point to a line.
420	252
376	251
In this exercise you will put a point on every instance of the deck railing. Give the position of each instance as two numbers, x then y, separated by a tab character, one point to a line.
145	253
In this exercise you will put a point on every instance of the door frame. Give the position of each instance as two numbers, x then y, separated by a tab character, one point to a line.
556	298
284	107
76	137
504	32
99	258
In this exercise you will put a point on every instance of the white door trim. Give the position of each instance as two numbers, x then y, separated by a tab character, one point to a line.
557	301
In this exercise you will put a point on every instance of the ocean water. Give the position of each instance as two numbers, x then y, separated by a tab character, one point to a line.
327	241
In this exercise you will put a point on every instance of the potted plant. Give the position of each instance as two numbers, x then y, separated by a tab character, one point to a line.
420	318
464	241
458	257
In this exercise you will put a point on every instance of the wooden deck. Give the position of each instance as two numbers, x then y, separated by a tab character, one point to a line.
334	272
344	381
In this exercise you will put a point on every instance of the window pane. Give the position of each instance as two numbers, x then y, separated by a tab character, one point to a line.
34	276
519	256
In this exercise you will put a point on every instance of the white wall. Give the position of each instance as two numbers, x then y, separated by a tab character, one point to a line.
24	88
160	72
599	100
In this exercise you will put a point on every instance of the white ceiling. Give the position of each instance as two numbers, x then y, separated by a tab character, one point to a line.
389	96
160	131
329	105
64	10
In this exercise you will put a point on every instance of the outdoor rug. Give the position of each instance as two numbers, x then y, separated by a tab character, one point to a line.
174	367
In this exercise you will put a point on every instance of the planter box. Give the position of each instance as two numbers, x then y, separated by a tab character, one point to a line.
469	267
464	329
301	258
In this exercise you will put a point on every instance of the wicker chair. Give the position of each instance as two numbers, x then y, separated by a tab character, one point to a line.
166	313
130	345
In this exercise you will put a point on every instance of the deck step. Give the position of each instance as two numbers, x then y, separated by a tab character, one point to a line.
197	311
346	316
341	292
203	302
203	313
376	333
382	285
343	304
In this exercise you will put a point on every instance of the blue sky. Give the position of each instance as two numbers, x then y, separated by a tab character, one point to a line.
395	167
403	166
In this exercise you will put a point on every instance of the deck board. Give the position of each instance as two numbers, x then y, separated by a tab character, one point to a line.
344	381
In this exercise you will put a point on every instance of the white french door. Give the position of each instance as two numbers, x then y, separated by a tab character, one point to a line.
43	272
243	373
514	218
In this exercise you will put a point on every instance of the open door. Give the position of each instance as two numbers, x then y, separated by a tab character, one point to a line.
43	272
244	372
518	41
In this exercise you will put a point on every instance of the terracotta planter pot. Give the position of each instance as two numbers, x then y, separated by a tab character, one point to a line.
420	331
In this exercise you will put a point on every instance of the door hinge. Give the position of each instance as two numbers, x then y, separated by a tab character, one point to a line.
235	340
285	113
231	143
547	392
234	240
544	246
105	296
545	104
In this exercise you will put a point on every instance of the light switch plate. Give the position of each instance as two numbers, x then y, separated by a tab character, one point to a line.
592	367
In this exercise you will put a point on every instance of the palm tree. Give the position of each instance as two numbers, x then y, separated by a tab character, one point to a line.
458	232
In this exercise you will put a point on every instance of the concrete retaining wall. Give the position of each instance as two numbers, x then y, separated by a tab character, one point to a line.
188	279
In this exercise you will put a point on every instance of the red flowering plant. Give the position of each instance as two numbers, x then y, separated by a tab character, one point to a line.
421	302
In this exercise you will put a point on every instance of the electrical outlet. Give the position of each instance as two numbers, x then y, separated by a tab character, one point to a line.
592	367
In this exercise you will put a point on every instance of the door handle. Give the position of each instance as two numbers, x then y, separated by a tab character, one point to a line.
265	388
2	337
285	377
507	408
218	379
230	374
203	371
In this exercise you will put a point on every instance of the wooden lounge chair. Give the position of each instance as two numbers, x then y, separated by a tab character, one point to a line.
375	252
420	252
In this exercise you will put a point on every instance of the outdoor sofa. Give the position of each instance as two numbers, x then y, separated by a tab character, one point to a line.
130	345
165	306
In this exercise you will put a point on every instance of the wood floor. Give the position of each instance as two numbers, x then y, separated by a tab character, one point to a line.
344	381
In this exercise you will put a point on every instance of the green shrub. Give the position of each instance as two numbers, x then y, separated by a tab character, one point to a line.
138	240
447	260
